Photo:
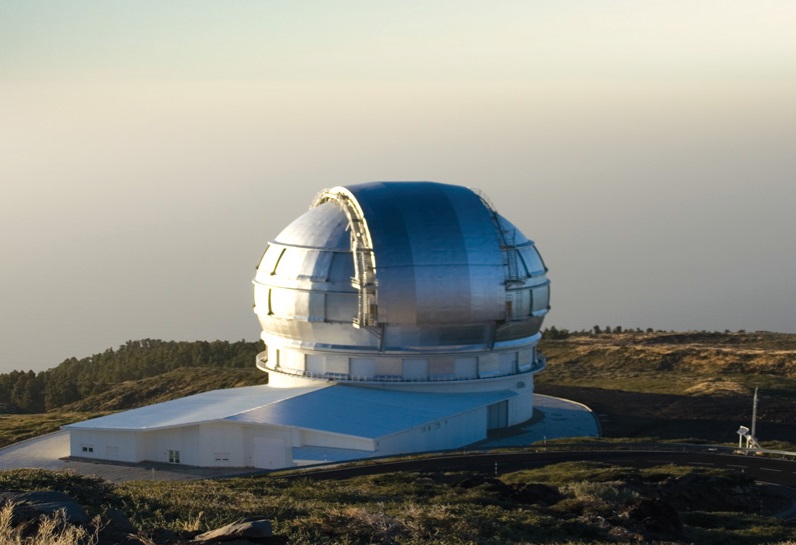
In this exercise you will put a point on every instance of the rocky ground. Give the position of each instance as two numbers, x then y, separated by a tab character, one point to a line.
52	517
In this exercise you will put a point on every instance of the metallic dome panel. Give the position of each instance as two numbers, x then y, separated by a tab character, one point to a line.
438	257
398	267
324	227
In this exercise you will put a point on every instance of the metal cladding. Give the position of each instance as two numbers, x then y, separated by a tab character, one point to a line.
394	268
437	254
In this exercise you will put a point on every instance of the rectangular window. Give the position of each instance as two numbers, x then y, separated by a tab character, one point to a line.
174	456
88	449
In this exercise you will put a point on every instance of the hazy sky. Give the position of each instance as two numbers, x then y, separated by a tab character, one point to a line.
149	150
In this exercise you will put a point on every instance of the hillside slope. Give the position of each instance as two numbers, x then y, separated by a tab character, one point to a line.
678	385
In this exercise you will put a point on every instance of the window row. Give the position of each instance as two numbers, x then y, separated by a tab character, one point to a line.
314	306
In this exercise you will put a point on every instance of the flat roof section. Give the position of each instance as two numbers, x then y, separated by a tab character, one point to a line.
366	412
204	407
331	408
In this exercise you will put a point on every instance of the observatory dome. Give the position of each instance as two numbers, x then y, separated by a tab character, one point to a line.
400	284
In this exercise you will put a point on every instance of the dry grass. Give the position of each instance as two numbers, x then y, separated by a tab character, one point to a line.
18	427
718	386
52	530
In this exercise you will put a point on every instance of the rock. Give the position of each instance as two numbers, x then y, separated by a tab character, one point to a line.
536	494
163	535
487	484
119	521
47	503
658	517
251	529
45	496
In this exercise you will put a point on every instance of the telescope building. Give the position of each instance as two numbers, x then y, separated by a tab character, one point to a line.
397	317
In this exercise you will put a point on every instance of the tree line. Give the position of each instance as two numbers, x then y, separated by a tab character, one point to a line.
555	333
74	379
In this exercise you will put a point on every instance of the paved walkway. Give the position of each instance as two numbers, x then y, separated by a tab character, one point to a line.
560	418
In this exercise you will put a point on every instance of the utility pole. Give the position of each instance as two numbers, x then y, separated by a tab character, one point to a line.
754	416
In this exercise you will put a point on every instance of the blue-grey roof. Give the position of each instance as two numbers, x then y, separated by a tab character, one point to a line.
339	409
366	412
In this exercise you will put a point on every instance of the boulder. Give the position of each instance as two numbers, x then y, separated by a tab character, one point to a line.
45	502
119	521
660	520
251	529
536	494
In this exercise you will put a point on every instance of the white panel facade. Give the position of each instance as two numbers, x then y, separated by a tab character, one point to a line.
290	360
521	406
364	368
179	445
221	444
112	445
466	367
266	447
415	369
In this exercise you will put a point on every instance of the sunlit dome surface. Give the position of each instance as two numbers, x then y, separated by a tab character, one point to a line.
399	268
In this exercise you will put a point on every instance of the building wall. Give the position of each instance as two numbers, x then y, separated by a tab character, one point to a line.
113	445
212	444
267	447
174	445
334	440
221	444
452	432
235	444
521	405
440	369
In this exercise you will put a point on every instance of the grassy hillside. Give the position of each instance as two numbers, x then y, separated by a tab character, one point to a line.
568	503
678	385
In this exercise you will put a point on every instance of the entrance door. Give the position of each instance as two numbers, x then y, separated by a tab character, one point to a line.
269	453
498	416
